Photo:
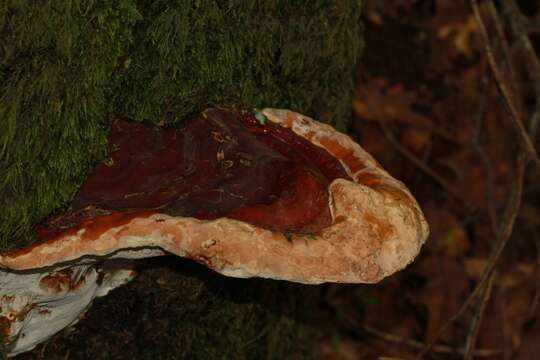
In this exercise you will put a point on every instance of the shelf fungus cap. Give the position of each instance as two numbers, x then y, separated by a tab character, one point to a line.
373	226
272	194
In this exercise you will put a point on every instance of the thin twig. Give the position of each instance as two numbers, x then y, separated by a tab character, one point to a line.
533	309
502	237
476	141
433	130
477	319
532	25
441	349
524	139
518	28
499	32
506	332
514	202
422	166
535	121
504	231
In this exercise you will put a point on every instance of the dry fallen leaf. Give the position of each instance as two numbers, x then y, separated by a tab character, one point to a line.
342	349
378	100
461	33
467	174
446	287
512	275
453	33
529	346
416	139
448	236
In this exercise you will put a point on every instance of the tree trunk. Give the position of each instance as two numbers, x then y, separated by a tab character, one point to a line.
68	68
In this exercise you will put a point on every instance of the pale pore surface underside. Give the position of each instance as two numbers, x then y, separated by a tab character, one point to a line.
377	229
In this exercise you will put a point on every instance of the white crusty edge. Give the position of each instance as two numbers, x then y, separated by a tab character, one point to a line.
377	229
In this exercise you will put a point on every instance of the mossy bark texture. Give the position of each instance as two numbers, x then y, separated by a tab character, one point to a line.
176	309
68	67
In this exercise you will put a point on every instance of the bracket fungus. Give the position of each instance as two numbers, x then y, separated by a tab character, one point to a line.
271	194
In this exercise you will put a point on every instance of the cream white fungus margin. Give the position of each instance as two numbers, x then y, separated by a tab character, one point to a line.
407	218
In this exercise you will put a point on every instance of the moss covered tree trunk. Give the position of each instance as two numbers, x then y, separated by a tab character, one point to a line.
67	68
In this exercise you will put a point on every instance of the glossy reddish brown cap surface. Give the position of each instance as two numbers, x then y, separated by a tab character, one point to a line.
216	164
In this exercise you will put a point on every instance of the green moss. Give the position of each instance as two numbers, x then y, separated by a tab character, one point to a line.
57	60
67	68
185	311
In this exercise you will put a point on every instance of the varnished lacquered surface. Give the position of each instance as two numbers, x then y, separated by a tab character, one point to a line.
216	164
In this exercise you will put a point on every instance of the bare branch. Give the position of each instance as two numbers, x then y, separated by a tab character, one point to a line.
477	320
476	142
518	28
441	349
502	237
422	166
524	139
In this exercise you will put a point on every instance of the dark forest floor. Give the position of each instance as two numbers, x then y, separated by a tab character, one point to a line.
427	107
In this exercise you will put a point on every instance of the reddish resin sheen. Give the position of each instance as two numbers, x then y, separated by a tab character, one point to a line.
216	164
94	222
